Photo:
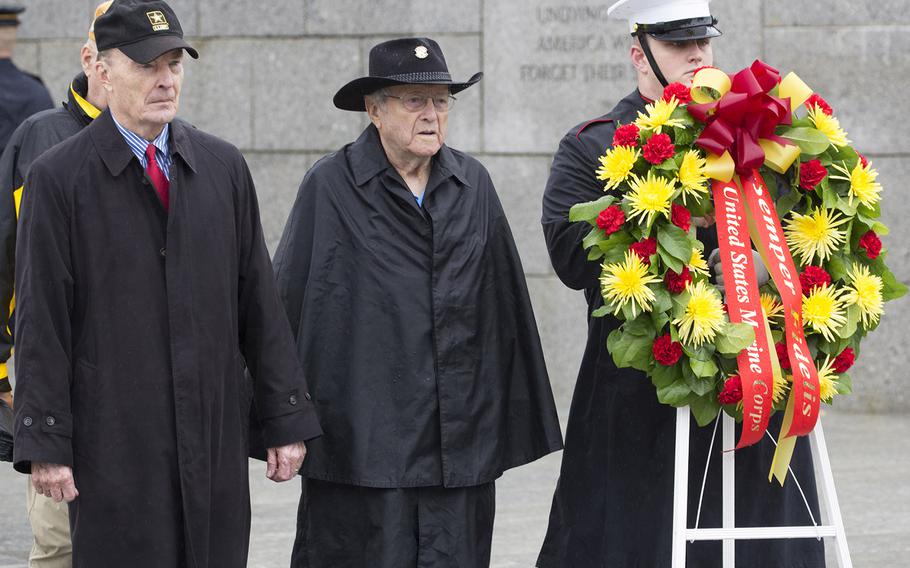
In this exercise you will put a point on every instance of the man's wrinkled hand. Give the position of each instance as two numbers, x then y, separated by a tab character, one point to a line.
285	462
761	272
54	481
7	397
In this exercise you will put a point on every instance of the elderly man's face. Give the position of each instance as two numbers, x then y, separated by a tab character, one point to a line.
145	96
411	133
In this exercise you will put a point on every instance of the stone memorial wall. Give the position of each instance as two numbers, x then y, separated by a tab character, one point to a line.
267	72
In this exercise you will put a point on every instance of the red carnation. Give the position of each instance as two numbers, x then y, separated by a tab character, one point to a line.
644	249
863	160
626	135
783	356
732	391
811	173
658	148
611	219
844	361
680	217
821	103
666	351
871	244
678	90
676	283
813	276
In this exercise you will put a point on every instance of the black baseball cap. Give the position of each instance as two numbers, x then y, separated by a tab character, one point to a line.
9	15
142	29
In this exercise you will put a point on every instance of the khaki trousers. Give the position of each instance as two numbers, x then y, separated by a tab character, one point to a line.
50	522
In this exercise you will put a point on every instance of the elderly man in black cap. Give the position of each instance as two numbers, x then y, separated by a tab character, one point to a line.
21	94
613	504
144	288
403	285
52	547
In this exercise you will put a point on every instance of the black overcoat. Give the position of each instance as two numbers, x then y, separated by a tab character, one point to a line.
133	326
413	323
613	505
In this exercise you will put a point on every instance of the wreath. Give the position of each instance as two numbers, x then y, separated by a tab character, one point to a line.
708	151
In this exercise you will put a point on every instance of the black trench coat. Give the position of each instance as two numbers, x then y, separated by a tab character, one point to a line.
613	505
132	330
414	324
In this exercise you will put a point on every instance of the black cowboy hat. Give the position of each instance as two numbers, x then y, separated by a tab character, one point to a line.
406	61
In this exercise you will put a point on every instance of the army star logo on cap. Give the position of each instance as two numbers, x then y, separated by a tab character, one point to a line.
158	21
421	52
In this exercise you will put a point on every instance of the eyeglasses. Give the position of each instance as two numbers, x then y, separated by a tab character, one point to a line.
415	102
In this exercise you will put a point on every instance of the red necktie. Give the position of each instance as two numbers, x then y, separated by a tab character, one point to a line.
162	186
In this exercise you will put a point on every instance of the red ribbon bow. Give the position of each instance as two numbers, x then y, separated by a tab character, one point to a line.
742	116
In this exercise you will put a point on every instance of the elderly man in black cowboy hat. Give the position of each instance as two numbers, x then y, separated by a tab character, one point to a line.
144	289
403	285
613	502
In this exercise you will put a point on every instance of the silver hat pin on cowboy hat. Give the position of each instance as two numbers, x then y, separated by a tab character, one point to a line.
405	61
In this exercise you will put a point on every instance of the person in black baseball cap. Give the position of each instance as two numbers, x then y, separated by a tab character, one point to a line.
169	308
141	29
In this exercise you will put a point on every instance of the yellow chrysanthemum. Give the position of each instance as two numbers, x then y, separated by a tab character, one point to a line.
697	263
771	307
691	175
816	234
826	385
658	116
627	282
829	126
863	183
649	196
616	165
704	315
865	291
781	387
823	311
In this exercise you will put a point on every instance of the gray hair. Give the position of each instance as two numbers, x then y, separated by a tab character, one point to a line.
378	96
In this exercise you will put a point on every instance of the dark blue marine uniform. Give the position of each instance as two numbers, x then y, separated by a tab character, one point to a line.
21	94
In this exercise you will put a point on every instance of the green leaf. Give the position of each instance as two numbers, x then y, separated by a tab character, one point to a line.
844	384
602	311
810	140
844	206
590	210
891	287
592	238
615	246
595	253
704	408
675	242
662	301
703	369
734	337
668	259
673	394
660	319
663	376
849	328
787	202
837	266
640	327
630	351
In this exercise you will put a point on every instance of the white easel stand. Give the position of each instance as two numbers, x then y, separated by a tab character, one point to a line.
833	525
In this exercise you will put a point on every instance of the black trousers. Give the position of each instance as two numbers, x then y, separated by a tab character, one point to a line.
346	526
